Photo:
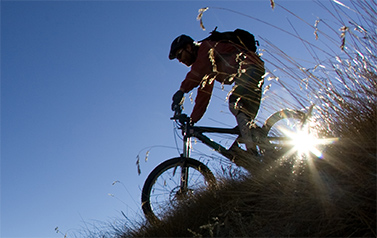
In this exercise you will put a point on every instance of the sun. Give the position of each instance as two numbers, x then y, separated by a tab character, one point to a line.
306	143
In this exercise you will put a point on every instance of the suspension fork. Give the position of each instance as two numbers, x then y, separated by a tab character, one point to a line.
186	154
186	146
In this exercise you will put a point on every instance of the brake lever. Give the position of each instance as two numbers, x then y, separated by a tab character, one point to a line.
175	117
177	113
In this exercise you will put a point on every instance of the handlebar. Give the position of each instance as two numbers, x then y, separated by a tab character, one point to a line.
181	117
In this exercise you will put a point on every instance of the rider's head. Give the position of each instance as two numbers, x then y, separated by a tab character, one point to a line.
184	49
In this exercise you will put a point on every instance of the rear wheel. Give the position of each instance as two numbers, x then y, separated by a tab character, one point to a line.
171	182
278	128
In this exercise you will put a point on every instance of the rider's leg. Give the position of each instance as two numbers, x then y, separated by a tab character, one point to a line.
244	102
244	124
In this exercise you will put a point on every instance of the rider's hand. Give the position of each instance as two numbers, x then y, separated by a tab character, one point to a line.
177	99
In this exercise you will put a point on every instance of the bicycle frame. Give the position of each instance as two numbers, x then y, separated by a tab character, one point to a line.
189	131
234	150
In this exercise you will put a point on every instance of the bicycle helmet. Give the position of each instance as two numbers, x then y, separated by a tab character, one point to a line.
179	43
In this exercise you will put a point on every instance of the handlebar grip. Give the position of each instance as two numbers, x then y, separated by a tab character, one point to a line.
177	110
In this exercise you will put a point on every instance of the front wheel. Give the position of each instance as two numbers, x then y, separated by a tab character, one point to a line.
171	182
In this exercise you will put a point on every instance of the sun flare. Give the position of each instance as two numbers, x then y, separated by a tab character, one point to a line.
306	143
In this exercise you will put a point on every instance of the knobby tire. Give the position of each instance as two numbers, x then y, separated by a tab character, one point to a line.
151	184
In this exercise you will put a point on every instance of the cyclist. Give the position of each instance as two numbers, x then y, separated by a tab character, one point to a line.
226	63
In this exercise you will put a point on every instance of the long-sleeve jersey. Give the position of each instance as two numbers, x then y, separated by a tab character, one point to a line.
216	61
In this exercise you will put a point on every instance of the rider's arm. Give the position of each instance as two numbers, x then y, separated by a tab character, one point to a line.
201	102
200	68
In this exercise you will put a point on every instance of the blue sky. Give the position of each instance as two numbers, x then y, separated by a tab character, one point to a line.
86	86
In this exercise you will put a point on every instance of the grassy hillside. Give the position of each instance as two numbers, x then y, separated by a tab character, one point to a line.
333	196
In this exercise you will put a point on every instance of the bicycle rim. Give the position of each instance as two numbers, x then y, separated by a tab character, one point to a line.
279	126
162	190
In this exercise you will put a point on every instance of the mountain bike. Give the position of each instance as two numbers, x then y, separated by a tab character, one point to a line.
177	179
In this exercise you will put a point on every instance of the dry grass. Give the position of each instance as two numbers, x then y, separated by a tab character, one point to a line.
333	196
